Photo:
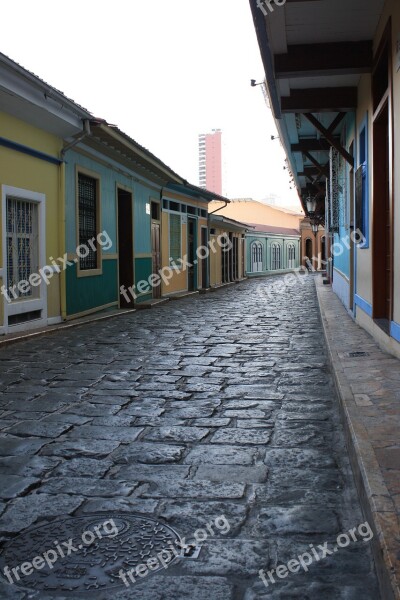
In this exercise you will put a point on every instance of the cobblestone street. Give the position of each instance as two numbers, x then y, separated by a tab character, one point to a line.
219	404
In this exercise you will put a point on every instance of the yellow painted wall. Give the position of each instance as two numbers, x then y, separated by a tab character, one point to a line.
250	211
23	171
178	282
216	257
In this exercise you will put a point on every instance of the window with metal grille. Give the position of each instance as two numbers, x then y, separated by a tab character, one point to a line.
175	237
275	257
22	245
87	199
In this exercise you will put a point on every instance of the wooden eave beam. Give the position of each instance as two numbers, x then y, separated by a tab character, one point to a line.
339	99
330	138
323	169
316	60
311	145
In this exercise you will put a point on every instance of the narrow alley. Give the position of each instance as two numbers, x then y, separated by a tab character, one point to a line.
218	410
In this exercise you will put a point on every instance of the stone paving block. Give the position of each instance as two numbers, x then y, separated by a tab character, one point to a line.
236	473
27	466
25	511
194	490
14	446
158	473
186	517
228	557
309	589
176	587
12	486
211	422
159	422
191	412
76	448
84	486
100	432
68	419
137	410
114	505
298	458
93	410
241	436
296	520
82	467
39	429
247	413
220	455
176	434
254	423
148	453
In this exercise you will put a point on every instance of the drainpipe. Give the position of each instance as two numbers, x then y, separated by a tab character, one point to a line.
86	131
220	208
63	291
62	221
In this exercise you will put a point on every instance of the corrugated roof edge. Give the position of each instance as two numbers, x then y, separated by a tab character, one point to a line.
9	62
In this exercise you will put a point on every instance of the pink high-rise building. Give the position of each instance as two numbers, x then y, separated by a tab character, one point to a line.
210	161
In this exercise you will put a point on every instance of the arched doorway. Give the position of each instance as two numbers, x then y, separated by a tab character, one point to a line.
309	249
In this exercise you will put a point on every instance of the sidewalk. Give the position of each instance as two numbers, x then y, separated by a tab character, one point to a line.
368	384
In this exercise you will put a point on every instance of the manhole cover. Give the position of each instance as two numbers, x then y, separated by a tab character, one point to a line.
357	354
83	554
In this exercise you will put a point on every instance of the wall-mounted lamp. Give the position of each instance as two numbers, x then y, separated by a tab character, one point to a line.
311	205
253	83
274	137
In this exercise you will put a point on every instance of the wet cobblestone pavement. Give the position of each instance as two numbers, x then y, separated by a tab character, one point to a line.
210	406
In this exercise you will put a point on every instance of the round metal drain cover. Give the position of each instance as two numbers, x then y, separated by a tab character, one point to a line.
84	554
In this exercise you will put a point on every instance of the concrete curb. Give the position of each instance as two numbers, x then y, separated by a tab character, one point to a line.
375	498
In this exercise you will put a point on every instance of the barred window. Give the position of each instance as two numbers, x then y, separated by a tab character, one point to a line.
175	237
87	201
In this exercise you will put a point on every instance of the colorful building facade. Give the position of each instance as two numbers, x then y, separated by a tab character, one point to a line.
227	250
272	250
34	120
336	103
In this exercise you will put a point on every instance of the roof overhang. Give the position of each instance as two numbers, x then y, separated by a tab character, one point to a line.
227	223
196	192
314	53
25	96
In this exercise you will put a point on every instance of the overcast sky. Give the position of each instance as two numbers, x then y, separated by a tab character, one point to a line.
163	71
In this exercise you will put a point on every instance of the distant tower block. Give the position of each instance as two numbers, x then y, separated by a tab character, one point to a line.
210	161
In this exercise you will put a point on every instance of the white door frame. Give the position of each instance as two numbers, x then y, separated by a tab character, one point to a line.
21	306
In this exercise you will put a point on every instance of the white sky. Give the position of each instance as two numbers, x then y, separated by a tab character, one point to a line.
163	71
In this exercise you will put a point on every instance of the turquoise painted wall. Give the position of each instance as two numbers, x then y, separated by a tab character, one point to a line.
86	293
267	241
